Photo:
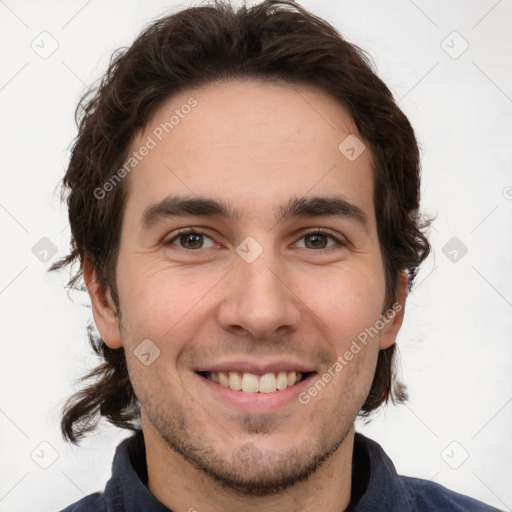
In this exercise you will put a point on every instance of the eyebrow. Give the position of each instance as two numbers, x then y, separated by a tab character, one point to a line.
297	207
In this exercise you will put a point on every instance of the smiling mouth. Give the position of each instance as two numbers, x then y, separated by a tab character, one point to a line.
252	383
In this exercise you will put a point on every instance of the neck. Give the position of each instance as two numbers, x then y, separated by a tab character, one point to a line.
180	486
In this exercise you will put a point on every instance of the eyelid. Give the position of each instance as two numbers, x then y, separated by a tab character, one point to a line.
186	231
339	239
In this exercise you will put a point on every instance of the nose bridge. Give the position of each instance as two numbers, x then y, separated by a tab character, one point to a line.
257	298
261	280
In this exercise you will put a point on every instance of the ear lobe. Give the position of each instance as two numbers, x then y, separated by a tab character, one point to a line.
394	315
103	308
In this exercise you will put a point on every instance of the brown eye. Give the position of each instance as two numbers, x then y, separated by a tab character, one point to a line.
316	241
191	240
320	240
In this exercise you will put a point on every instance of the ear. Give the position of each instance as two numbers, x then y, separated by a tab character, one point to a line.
394	316
103	308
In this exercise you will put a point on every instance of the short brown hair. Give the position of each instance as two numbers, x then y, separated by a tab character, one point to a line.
274	40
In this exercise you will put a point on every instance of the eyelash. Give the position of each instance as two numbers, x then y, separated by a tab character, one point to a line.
188	231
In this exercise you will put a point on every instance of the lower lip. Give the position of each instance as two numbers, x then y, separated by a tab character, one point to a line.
257	402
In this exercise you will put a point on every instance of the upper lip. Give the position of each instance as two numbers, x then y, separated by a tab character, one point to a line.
259	368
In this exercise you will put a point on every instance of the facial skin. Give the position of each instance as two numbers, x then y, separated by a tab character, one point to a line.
299	305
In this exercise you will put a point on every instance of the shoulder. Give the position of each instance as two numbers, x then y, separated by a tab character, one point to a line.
430	496
387	490
92	503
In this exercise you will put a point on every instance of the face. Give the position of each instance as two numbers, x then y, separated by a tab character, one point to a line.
249	263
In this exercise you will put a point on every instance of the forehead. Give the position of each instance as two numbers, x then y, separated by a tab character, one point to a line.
249	142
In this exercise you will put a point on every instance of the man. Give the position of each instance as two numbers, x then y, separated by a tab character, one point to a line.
244	207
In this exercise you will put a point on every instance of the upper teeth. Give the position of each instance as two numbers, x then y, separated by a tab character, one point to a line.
251	383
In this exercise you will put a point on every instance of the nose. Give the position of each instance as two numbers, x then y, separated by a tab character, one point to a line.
259	300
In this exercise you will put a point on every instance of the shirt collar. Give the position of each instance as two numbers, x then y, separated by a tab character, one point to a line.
127	489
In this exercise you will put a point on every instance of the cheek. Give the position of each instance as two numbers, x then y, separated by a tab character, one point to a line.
160	303
347	302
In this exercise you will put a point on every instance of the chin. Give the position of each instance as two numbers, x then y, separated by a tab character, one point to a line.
254	472
256	465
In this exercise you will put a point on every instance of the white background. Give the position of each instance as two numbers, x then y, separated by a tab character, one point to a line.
455	346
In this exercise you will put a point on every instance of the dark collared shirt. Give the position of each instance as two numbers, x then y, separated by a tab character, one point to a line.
375	485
